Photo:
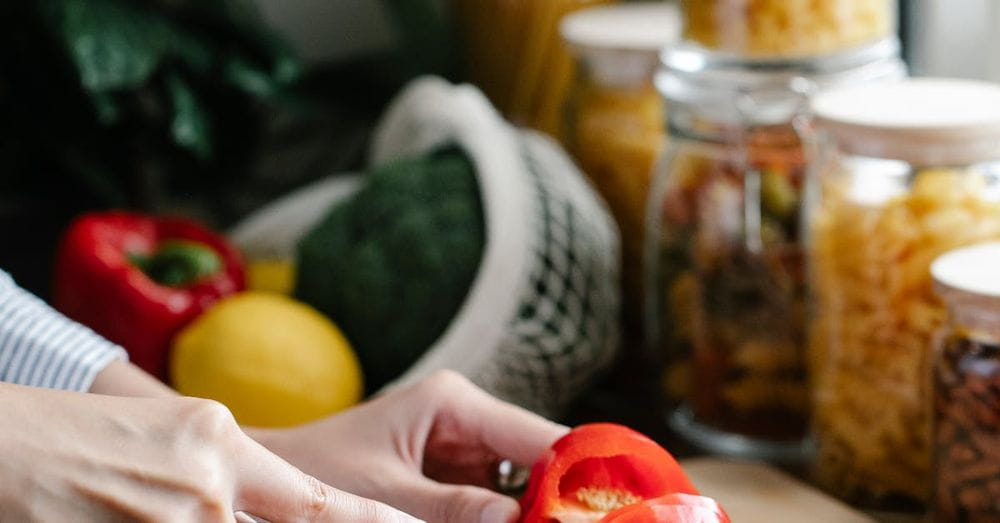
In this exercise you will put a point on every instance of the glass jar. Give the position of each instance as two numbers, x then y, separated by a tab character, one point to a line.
967	387
788	28
726	264
615	121
910	171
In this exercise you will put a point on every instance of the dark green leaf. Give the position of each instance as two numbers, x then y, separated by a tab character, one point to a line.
195	52
113	45
106	107
244	76
287	68
189	126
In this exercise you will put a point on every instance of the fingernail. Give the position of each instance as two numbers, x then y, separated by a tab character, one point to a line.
499	512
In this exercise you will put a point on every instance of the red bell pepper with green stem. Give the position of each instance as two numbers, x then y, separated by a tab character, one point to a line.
596	469
137	280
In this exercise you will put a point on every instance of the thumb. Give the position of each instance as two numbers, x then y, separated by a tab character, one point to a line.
458	504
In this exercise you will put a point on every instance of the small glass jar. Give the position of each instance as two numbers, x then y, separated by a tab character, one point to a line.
615	121
726	272
911	170
967	387
788	28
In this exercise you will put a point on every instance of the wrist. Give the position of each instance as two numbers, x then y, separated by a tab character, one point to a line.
121	378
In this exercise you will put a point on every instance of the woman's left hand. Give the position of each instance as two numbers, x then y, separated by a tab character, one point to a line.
430	449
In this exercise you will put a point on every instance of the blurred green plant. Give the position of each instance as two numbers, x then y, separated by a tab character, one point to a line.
189	106
119	100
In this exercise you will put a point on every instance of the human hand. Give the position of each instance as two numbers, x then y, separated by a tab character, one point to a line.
430	449
87	457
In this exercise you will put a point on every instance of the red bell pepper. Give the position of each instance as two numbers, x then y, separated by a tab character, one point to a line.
596	469
137	280
672	508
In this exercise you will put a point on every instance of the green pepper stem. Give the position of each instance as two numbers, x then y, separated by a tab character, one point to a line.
178	263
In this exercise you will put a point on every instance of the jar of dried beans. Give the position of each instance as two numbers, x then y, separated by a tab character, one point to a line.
726	283
967	387
911	170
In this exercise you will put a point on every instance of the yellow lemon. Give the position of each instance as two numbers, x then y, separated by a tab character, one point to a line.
273	361
271	276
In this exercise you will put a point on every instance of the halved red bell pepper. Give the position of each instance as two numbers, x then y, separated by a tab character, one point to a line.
596	469
137	280
672	508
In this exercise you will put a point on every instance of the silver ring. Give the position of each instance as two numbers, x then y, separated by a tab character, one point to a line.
510	478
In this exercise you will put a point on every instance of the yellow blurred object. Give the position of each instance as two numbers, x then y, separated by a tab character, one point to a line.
787	27
271	276
512	50
273	361
615	123
617	137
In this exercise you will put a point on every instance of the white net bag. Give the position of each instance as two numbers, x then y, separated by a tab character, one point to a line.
541	320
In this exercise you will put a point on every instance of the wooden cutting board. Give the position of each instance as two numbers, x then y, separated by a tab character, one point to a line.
757	493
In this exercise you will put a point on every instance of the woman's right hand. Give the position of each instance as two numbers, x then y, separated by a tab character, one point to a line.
86	457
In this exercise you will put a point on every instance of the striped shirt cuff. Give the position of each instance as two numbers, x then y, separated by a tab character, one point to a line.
41	348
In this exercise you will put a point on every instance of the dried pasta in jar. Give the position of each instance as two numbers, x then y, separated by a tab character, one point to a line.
787	28
616	136
875	319
912	171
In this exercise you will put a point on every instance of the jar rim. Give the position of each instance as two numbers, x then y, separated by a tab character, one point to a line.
691	58
714	81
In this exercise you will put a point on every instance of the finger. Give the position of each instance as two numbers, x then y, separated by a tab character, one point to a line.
459	464
505	429
457	504
272	489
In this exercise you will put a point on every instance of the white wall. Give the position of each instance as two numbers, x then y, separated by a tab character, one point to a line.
994	33
958	38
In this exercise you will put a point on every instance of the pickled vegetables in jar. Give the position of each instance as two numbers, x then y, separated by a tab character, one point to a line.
726	244
735	281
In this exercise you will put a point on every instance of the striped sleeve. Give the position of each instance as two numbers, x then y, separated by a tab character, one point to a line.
41	348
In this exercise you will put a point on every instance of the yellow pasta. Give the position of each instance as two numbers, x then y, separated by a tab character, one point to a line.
787	27
875	320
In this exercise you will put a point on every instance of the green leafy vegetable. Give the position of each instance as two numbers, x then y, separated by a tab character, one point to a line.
190	128
393	265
